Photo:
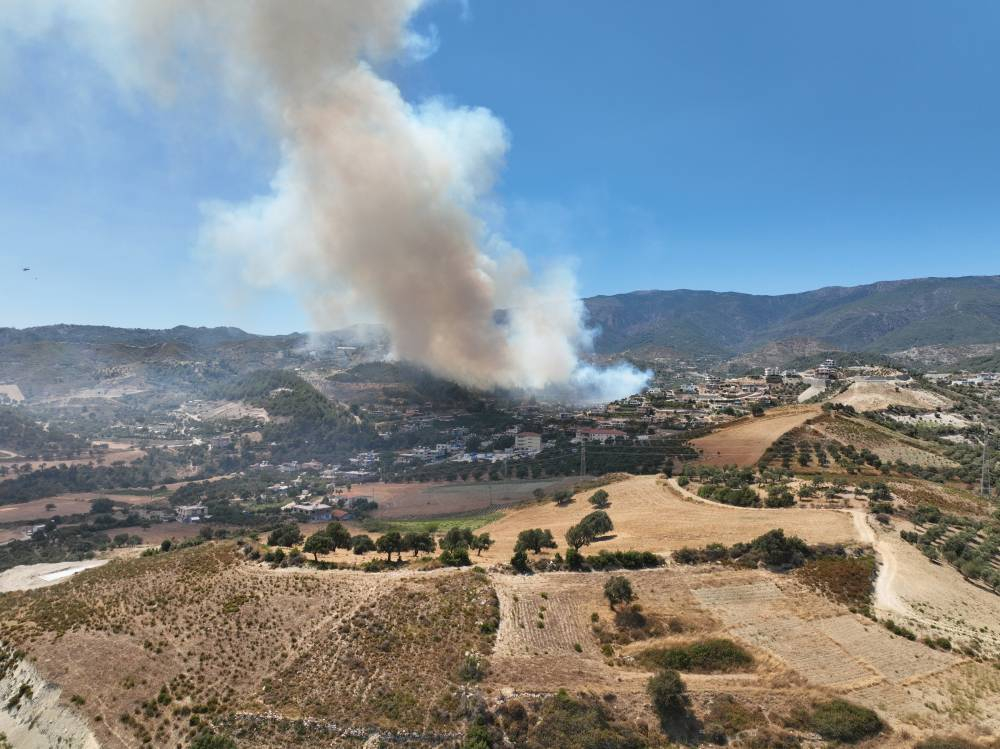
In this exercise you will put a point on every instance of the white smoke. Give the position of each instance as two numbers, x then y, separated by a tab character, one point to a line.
377	208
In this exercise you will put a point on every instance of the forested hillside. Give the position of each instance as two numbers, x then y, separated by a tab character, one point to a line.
24	436
882	317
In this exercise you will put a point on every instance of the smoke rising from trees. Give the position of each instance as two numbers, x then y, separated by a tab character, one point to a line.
377	209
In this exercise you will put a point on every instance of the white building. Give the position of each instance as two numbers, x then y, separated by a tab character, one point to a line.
192	513
528	443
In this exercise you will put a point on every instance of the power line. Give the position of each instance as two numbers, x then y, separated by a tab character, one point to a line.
984	482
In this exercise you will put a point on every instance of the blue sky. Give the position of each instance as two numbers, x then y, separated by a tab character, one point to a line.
765	147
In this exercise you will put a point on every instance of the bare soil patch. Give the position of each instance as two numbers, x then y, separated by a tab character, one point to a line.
66	504
878	396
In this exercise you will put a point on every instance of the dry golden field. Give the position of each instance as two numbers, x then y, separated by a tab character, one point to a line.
744	441
651	515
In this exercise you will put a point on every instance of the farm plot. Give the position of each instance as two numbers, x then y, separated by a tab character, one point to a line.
888	445
802	646
546	615
968	694
651	515
895	658
744	442
817	639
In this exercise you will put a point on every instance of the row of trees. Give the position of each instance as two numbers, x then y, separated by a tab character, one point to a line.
455	544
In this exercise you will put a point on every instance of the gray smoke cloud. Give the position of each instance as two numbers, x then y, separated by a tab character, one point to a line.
377	209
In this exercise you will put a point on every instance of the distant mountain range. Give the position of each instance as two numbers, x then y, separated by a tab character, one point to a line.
892	317
943	320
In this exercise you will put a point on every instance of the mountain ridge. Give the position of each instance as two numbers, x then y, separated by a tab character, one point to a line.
954	317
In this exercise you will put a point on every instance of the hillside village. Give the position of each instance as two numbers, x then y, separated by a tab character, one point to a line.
775	519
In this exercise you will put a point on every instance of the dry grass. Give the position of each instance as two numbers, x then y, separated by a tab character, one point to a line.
245	646
650	515
743	442
890	446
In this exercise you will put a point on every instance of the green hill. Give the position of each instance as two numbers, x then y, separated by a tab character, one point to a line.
881	317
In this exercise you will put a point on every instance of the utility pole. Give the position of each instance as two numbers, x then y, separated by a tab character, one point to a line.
583	458
984	482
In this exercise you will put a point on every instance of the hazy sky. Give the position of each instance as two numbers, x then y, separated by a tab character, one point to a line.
764	147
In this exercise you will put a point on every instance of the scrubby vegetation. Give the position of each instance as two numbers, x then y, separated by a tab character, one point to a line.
971	545
840	720
773	549
24	436
849	580
562	722
708	656
242	644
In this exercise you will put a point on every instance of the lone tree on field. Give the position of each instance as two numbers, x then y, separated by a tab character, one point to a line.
362	544
594	525
482	543
318	543
339	536
286	534
563	497
389	543
456	538
618	590
417	542
535	539
599	499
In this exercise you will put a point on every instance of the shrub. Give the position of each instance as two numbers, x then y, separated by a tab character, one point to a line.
840	720
563	497
715	655
209	740
567	723
458	557
473	668
898	629
599	499
848	580
614	560
617	590
669	696
520	562
574	559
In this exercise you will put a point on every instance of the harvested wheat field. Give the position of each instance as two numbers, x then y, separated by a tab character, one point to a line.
75	503
878	396
743	442
651	515
437	499
553	628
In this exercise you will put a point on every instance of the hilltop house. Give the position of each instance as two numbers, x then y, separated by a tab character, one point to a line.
312	512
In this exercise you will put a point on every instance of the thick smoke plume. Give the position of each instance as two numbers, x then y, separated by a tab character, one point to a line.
377	207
